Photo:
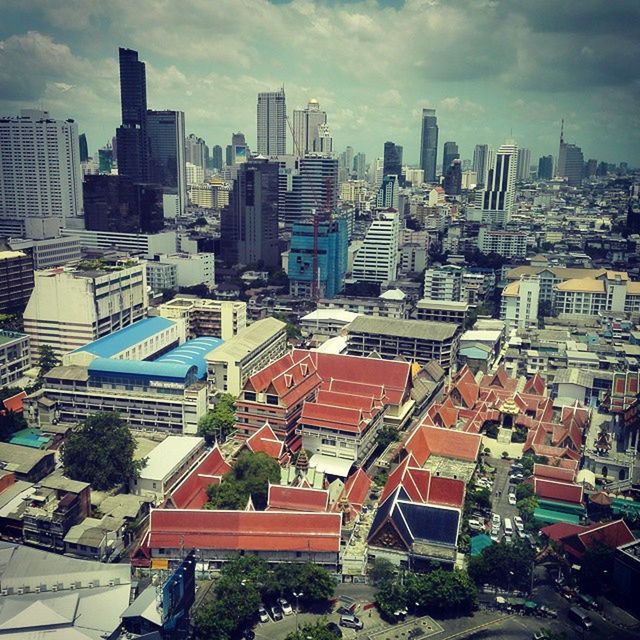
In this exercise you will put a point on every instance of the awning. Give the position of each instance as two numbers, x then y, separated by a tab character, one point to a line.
550	516
331	466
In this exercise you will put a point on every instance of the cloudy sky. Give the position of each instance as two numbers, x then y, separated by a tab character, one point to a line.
491	68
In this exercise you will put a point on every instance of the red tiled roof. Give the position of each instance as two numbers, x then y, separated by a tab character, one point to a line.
191	493
535	385
244	530
560	530
297	499
553	472
612	534
446	491
417	444
332	417
561	491
14	403
266	441
357	487
448	443
347	400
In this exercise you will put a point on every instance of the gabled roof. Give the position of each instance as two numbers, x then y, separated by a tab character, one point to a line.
535	385
560	491
14	403
553	472
333	417
266	441
286	531
284	498
428	440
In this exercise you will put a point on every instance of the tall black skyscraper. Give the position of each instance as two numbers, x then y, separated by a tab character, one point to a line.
84	147
392	160
216	157
453	178
545	168
429	144
132	141
449	154
249	224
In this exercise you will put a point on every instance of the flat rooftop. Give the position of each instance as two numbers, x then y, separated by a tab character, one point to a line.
163	459
418	329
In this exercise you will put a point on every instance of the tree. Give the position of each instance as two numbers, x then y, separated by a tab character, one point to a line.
249	477
10	422
381	571
529	459
100	451
507	566
47	361
313	631
386	435
524	490
211	621
279	279
11	322
526	507
443	591
390	598
216	425
482	498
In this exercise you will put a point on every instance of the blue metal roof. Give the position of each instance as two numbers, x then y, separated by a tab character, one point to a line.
192	353
177	372
118	341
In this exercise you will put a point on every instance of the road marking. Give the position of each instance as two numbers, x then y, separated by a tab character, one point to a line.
461	634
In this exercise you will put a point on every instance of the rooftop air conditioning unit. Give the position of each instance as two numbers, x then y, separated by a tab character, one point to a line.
37	589
90	585
72	585
5	592
20	591
54	587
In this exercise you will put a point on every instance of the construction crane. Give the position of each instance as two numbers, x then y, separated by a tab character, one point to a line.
317	213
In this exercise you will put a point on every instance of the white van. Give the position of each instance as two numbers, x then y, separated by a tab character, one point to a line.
508	527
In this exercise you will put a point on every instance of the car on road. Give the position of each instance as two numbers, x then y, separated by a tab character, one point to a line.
263	616
512	499
547	612
285	606
276	613
335	629
580	616
351	622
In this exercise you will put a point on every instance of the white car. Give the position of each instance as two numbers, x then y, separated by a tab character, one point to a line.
518	522
496	520
285	606
512	499
476	525
495	535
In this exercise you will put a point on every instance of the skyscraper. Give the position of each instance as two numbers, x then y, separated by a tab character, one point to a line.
165	130
196	151
545	168
524	164
314	187
429	144
449	154
570	161
228	156
498	198
249	224
306	128
453	178
84	147
272	126
132	142
216	157
359	166
40	174
239	149
481	161
377	258
392	160
387	197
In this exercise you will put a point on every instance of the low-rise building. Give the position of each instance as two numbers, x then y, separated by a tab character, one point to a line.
166	465
251	349
191	268
326	322
52	252
383	307
414	340
15	357
162	276
442	311
26	463
443	282
510	244
204	317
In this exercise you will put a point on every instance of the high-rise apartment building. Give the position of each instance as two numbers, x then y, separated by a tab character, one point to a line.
453	178
443	283
524	164
497	201
249	224
545	168
72	306
570	161
16	280
40	173
272	126
377	258
196	151
519	304
392	160
165	130
314	187
429	144
388	193
481	161
450	153
131	136
331	244
115	203
306	128
84	147
360	166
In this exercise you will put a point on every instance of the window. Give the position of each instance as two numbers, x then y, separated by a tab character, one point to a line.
271	399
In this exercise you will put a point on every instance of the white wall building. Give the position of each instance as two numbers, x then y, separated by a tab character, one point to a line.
272	113
191	268
505	243
519	307
377	258
52	252
40	172
497	201
443	283
306	129
146	244
195	173
70	307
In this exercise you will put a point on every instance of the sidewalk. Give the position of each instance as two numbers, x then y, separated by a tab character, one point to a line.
617	616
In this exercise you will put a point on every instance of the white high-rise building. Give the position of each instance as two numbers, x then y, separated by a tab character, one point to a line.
498	199
40	172
325	141
306	129
377	258
519	305
272	126
195	174
524	164
443	283
196	151
69	307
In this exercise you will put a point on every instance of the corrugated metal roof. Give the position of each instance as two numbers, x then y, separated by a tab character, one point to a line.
165	370
192	353
118	341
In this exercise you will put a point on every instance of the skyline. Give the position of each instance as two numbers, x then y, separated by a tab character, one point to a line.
380	64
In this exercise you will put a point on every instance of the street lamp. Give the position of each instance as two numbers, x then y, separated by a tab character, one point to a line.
509	582
297	595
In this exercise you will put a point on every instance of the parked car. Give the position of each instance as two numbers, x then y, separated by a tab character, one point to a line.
335	629
285	606
263	616
547	612
476	525
496	520
518	522
512	499
588	601
540	635
276	613
351	622
495	536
